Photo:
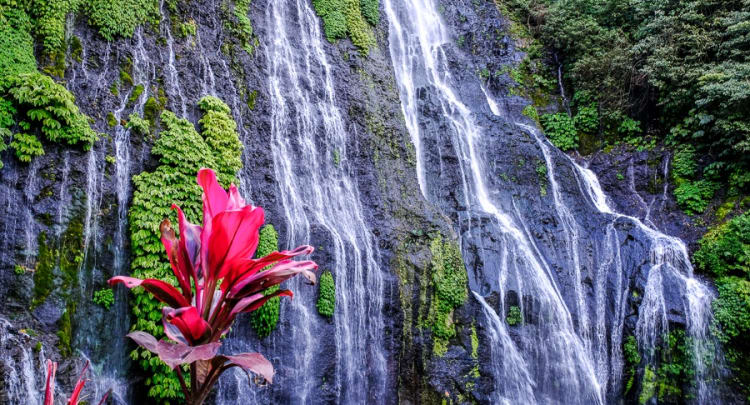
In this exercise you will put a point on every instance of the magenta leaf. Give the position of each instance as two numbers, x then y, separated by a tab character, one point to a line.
254	362
174	354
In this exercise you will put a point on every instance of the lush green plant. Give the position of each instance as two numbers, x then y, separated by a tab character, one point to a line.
120	18
138	124
16	42
244	28
449	281
104	298
732	326
181	152
327	295
136	94
561	130
31	102
684	164
265	318
725	249
694	196
514	316
349	17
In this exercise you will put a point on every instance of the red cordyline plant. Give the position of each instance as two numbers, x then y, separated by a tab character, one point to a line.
49	388
218	279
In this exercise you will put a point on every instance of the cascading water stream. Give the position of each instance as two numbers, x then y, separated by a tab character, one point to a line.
570	356
558	360
319	196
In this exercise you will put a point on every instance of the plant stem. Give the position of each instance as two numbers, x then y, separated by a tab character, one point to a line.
183	385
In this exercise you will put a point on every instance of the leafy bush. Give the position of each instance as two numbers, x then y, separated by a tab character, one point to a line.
449	280
327	295
514	316
561	130
181	152
684	164
16	42
42	105
104	298
265	318
694	196
27	146
138	124
732	326
120	18
725	250
349	17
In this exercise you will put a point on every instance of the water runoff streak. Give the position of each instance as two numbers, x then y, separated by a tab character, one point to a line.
321	203
568	349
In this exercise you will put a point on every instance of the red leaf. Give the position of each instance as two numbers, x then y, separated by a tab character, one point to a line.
49	387
169	240
214	197
174	354
250	304
161	290
254	362
188	321
243	268
190	242
235	199
79	386
234	235
269	278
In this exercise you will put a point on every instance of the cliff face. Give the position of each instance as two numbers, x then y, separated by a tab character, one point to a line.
329	152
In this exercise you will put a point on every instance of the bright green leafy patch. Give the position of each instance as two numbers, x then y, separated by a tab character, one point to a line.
265	318
449	281
104	298
354	18
327	295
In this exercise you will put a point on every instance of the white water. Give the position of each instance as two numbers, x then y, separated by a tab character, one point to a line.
567	361
21	384
320	201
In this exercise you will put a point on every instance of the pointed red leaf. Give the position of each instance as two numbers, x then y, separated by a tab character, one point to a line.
235	199
214	197
269	278
188	321
161	290
170	242
234	235
250	304
79	386
190	242
49	387
243	268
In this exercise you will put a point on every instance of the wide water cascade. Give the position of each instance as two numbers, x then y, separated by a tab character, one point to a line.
320	201
563	256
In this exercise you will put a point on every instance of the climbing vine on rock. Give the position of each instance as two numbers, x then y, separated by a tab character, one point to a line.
265	318
181	151
327	295
449	281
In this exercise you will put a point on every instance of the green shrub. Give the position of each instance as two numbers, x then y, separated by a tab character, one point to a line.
104	298
136	94
684	164
16	42
120	18
732	326
725	250
560	130
243	29
40	104
327	295
514	316
138	124
694	196
181	152
349	17
265	318
449	281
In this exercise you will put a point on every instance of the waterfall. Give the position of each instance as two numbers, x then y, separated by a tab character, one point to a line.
321	204
573	287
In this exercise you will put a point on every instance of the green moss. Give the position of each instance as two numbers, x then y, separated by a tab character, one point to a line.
136	94
265	318
76	49
449	280
111	120
474	343
44	271
514	317
327	295
251	99
138	125
104	298
725	249
65	331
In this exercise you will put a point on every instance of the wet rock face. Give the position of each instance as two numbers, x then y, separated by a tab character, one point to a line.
69	188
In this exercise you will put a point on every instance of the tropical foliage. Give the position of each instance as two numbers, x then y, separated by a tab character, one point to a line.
217	280
352	18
